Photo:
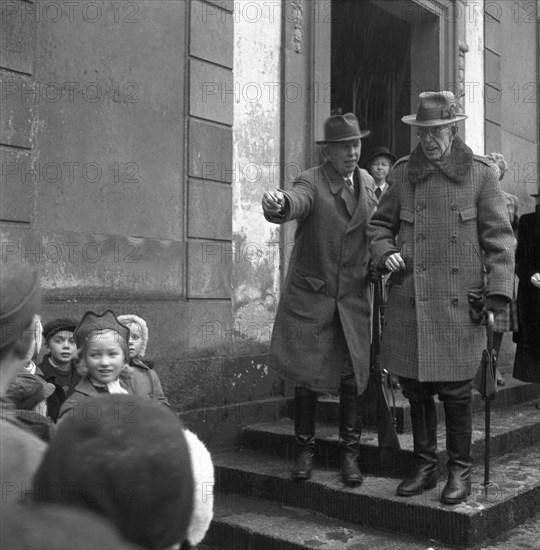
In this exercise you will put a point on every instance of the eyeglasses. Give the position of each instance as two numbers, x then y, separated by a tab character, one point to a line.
435	132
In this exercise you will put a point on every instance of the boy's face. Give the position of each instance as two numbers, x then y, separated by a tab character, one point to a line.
62	347
380	168
104	357
135	339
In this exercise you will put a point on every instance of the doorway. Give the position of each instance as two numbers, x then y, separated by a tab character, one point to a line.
382	57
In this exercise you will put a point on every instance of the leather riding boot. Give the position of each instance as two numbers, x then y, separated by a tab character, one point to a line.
305	403
424	427
458	447
349	434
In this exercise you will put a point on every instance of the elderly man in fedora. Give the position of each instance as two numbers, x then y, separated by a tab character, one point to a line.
321	335
442	231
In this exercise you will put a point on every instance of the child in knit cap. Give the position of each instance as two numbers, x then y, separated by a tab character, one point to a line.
139	377
136	465
28	393
102	344
58	366
20	450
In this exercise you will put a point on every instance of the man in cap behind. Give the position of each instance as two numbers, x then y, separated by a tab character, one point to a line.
20	451
321	336
446	210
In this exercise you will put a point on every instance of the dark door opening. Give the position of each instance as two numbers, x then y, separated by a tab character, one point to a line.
371	71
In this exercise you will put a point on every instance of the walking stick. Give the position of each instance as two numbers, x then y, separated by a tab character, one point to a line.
386	420
488	390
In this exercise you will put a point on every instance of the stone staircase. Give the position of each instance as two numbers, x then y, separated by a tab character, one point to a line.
258	506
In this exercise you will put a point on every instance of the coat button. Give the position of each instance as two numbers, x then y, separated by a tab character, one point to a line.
455	270
455	301
420	237
360	294
454	206
411	301
453	239
420	269
420	207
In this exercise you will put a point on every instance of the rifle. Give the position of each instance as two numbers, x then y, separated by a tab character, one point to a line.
386	421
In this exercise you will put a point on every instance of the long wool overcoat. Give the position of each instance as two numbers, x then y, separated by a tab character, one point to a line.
451	226
325	304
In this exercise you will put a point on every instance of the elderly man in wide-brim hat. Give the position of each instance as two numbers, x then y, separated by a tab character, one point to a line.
321	335
446	210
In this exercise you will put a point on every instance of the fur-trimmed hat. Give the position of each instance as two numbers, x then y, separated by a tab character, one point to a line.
129	319
129	462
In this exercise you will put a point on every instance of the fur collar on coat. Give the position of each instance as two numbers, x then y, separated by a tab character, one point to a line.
455	166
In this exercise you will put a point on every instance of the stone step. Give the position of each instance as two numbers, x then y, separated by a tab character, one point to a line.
245	523
513	496
512	428
512	393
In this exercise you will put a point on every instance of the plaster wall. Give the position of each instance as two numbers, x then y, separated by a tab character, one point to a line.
472	18
256	168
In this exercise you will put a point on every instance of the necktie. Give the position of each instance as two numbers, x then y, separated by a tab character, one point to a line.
378	193
350	185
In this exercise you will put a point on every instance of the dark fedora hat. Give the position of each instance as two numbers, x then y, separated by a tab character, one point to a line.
379	152
342	128
435	109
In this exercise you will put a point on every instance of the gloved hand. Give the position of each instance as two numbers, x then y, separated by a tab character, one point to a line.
496	303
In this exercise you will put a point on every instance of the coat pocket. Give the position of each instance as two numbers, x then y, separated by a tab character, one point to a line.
406	215
468	213
304	294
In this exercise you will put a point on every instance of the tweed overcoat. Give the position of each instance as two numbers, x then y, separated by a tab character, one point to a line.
451	225
325	303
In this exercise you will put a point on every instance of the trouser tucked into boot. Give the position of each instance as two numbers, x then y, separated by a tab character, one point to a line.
305	404
456	397
458	446
349	432
424	427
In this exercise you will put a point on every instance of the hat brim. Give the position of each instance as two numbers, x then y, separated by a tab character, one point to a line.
361	135
387	155
411	121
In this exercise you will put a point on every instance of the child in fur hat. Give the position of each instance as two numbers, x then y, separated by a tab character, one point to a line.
136	465
102	344
138	376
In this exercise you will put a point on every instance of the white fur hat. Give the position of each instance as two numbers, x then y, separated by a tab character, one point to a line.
203	485
130	319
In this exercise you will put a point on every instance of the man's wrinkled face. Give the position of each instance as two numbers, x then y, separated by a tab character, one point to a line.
344	156
436	140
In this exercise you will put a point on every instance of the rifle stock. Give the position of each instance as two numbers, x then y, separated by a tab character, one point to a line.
386	428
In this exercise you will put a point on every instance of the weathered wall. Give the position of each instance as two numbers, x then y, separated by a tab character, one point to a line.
511	98
256	162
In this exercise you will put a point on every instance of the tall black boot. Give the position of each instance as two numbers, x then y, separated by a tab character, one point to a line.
305	403
458	447
424	426
350	430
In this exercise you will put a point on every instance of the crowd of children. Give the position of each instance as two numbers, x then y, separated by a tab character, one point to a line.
92	422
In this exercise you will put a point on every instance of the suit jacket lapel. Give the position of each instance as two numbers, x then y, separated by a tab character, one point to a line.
337	186
364	205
